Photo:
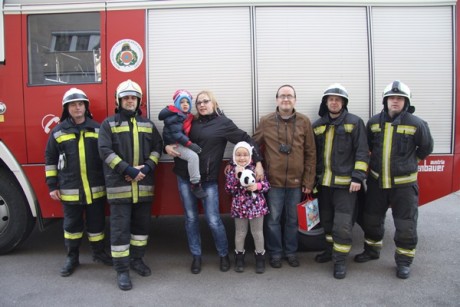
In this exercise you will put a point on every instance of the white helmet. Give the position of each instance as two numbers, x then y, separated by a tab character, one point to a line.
128	88
397	88
335	89
74	94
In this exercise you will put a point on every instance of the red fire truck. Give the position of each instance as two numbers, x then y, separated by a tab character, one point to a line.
241	50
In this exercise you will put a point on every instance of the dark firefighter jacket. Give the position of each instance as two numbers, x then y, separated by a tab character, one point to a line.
129	141
72	163
396	147
342	150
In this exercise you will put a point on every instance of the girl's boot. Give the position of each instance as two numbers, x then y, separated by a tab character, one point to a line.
239	261
260	262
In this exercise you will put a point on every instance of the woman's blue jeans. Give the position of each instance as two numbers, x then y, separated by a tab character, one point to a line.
211	210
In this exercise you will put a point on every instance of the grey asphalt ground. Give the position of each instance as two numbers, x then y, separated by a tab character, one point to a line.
29	276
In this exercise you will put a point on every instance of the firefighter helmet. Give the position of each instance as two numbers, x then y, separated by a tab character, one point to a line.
74	94
335	89
397	88
128	88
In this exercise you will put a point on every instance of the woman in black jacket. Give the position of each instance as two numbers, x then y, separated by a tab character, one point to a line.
211	130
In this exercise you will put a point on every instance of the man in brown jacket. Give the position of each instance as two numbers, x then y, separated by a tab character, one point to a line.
290	160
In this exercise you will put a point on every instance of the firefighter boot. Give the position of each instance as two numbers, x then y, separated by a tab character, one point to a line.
99	254
71	262
325	256
366	255
124	281
138	266
340	270
402	271
260	262
239	261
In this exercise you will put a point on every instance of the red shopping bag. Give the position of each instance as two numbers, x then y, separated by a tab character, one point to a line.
308	213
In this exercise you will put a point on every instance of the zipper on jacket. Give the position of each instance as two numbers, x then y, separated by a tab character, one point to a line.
287	155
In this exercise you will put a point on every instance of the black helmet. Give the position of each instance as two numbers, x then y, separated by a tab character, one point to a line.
335	89
397	88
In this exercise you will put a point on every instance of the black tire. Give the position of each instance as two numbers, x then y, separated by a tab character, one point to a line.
16	220
313	240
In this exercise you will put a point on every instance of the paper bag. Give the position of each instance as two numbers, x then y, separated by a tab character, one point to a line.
308	214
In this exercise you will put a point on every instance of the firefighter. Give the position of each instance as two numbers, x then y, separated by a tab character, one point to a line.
342	157
74	177
397	141
130	146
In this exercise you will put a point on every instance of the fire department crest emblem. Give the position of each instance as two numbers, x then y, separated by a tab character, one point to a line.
126	55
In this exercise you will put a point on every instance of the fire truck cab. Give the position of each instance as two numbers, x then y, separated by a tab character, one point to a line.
242	50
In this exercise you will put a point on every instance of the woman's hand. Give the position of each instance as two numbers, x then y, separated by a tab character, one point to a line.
171	150
227	169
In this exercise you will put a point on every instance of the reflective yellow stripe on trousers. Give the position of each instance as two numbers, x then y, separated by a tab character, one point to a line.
406	252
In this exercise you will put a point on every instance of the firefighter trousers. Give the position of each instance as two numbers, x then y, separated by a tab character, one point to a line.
404	206
129	229
76	217
336	210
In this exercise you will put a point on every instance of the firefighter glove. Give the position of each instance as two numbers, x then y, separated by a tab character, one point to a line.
146	169
131	172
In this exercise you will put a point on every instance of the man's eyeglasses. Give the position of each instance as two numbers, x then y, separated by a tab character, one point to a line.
204	101
288	97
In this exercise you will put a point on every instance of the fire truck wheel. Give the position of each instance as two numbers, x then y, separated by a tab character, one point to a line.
16	220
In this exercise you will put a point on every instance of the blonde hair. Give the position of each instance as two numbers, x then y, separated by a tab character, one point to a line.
215	104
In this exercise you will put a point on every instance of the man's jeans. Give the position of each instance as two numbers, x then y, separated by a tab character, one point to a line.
282	203
211	209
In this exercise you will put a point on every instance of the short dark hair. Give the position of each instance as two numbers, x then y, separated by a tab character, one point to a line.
286	85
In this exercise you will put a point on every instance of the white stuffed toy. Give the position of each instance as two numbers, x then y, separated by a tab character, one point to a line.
247	178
